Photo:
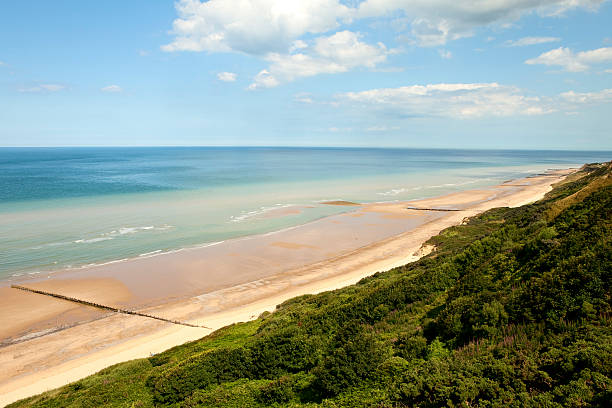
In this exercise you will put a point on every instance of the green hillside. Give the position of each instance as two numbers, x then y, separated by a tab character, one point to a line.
511	309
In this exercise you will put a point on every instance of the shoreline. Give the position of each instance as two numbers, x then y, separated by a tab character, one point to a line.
32	276
24	276
247	300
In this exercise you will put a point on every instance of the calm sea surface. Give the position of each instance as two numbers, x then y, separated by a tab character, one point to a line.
71	207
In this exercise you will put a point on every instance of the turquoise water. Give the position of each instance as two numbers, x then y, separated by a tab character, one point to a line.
70	207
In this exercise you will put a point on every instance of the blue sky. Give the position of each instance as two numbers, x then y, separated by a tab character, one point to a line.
415	73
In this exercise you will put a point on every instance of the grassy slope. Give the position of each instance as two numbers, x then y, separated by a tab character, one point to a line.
512	309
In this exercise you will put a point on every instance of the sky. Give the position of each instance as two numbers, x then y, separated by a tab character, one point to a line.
519	74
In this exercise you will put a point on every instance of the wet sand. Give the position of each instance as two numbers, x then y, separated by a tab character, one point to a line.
216	285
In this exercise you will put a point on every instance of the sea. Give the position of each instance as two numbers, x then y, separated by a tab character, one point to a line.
63	208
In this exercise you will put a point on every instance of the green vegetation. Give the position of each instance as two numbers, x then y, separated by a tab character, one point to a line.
512	309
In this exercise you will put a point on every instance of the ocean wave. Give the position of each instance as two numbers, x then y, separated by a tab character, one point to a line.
246	215
131	230
24	273
89	265
106	236
51	244
150	253
134	230
92	240
120	232
397	191
172	251
209	244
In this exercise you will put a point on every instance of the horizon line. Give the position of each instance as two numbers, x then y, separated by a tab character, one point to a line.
305	147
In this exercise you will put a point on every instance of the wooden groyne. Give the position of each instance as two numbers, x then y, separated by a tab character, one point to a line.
105	307
542	175
432	209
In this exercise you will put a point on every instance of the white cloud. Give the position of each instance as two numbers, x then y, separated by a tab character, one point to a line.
52	87
531	41
112	88
446	54
282	32
2	63
42	88
434	22
345	48
264	79
227	76
337	129
433	33
570	61
143	53
303	97
465	101
339	52
260	27
298	45
382	128
251	26
580	98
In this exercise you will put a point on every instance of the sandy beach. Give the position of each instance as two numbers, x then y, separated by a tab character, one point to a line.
48	342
